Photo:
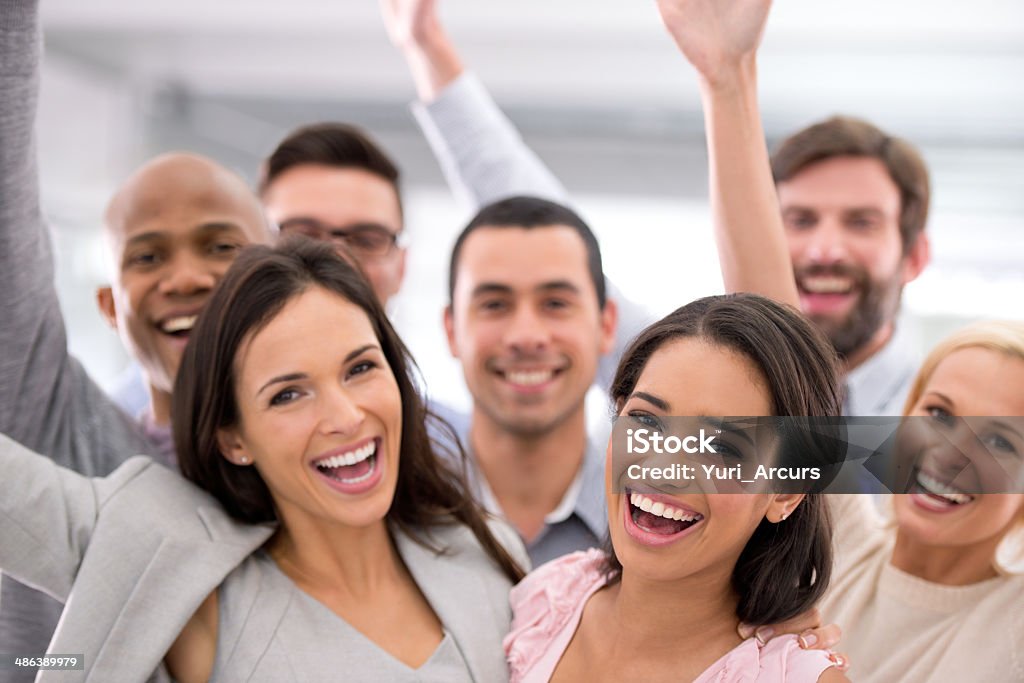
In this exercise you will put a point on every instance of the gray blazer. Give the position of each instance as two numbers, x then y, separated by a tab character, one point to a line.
134	554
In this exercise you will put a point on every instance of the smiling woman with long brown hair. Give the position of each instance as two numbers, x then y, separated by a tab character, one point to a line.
331	519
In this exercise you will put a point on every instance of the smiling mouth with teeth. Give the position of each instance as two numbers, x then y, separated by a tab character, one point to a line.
937	491
353	467
658	518
179	326
529	378
826	284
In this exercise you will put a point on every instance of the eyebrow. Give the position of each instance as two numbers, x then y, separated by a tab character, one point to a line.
661	404
293	376
491	288
558	286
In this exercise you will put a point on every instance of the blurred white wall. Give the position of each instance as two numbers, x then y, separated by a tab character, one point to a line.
597	89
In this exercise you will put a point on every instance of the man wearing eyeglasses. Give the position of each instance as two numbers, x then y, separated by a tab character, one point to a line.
330	182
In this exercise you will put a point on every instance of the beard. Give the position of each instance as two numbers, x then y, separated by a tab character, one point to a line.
876	305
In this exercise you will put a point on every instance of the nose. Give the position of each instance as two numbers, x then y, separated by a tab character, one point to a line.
528	332
188	275
950	452
826	244
340	413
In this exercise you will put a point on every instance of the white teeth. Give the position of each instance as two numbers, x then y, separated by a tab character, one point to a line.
825	284
179	324
936	487
529	379
350	458
660	509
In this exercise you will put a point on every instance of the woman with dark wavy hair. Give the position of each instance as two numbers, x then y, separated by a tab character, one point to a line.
332	518
687	565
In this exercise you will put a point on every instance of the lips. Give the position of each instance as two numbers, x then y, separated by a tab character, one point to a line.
931	493
529	378
351	469
657	520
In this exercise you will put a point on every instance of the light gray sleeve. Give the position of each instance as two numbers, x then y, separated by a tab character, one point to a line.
481	153
484	158
47	401
47	515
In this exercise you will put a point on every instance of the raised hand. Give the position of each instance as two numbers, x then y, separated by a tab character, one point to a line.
415	29
716	36
410	22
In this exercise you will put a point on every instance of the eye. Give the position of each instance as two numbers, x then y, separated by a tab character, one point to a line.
941	415
493	305
800	221
284	397
362	367
998	442
556	304
646	419
143	259
727	450
224	248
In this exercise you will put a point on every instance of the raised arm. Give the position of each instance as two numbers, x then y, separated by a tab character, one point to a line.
480	151
46	400
720	39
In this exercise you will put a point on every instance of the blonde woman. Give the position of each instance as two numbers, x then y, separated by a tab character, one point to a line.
935	591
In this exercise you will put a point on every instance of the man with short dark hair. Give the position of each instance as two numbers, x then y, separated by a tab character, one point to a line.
330	181
529	320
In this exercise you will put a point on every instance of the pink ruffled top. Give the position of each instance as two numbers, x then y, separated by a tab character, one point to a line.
547	606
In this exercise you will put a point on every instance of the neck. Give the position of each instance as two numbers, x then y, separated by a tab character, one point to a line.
335	559
946	565
873	345
695	614
160	406
529	471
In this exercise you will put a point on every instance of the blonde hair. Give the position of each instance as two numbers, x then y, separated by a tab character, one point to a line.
1003	336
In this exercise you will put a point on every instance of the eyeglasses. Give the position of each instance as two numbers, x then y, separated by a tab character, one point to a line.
364	240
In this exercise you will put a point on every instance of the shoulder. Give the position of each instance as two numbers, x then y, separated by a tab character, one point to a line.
549	594
547	604
782	658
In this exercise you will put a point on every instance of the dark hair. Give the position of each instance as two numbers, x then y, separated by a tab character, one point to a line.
330	144
848	136
256	287
784	568
529	213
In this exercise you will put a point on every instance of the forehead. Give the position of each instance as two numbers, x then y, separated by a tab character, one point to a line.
316	326
179	206
699	378
522	258
980	381
842	183
337	196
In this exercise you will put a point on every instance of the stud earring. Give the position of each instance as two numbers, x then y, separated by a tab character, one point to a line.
783	517
244	459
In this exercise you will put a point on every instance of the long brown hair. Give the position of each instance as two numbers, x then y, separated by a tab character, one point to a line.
784	568
259	283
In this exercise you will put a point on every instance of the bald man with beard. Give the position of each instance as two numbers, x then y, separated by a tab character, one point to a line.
173	229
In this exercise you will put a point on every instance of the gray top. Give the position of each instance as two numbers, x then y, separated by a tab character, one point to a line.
307	637
47	401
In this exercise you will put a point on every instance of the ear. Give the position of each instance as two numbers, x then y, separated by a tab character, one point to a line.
105	302
919	256
449	331
230	443
609	323
782	506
